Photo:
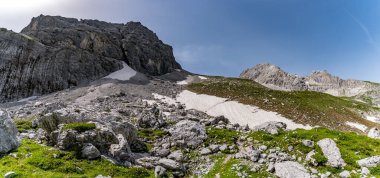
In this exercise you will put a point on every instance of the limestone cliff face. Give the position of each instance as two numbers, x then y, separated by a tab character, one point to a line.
55	53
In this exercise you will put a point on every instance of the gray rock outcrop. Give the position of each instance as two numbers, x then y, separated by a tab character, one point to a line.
54	53
290	169
188	133
89	151
374	133
8	133
270	127
369	162
331	152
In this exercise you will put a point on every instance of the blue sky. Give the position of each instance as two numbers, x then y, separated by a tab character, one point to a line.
224	37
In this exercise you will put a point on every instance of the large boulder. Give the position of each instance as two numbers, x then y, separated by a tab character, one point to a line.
290	169
101	138
374	133
89	151
8	133
369	162
188	133
331	152
151	119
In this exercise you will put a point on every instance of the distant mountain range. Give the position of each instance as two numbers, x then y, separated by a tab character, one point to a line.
275	78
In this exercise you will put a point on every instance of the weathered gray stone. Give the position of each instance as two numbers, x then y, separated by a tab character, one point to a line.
308	143
290	169
214	148
205	151
120	150
169	164
345	174
8	133
89	151
249	153
148	162
159	171
161	152
10	174
374	133
369	162
188	133
331	152
176	155
270	127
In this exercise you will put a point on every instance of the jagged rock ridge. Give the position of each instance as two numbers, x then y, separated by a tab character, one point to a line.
53	53
320	81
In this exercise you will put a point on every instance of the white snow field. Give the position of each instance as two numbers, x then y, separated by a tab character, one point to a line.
357	126
123	74
202	77
373	119
234	111
183	82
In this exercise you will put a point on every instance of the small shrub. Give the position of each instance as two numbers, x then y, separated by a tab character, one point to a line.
49	123
151	134
80	127
319	157
217	135
375	171
23	125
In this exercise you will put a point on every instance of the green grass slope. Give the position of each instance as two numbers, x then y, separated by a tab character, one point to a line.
353	147
34	160
306	107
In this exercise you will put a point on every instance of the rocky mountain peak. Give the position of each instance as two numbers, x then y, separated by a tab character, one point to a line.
54	53
273	77
322	81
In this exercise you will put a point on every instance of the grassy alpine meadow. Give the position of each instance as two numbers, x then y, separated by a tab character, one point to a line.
306	107
34	160
353	147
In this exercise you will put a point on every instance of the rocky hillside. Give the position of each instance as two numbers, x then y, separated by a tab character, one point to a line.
321	81
54	53
135	114
130	130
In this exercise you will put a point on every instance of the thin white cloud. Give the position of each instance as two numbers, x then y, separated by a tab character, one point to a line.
365	30
195	53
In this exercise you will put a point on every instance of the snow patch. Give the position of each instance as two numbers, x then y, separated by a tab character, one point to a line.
124	74
28	99
164	99
373	119
93	93
202	78
184	82
357	126
234	111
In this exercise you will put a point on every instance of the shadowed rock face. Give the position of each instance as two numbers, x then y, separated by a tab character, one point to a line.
55	53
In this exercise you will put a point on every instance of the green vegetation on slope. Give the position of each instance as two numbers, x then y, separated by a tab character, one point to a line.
80	127
305	107
23	125
34	160
353	147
